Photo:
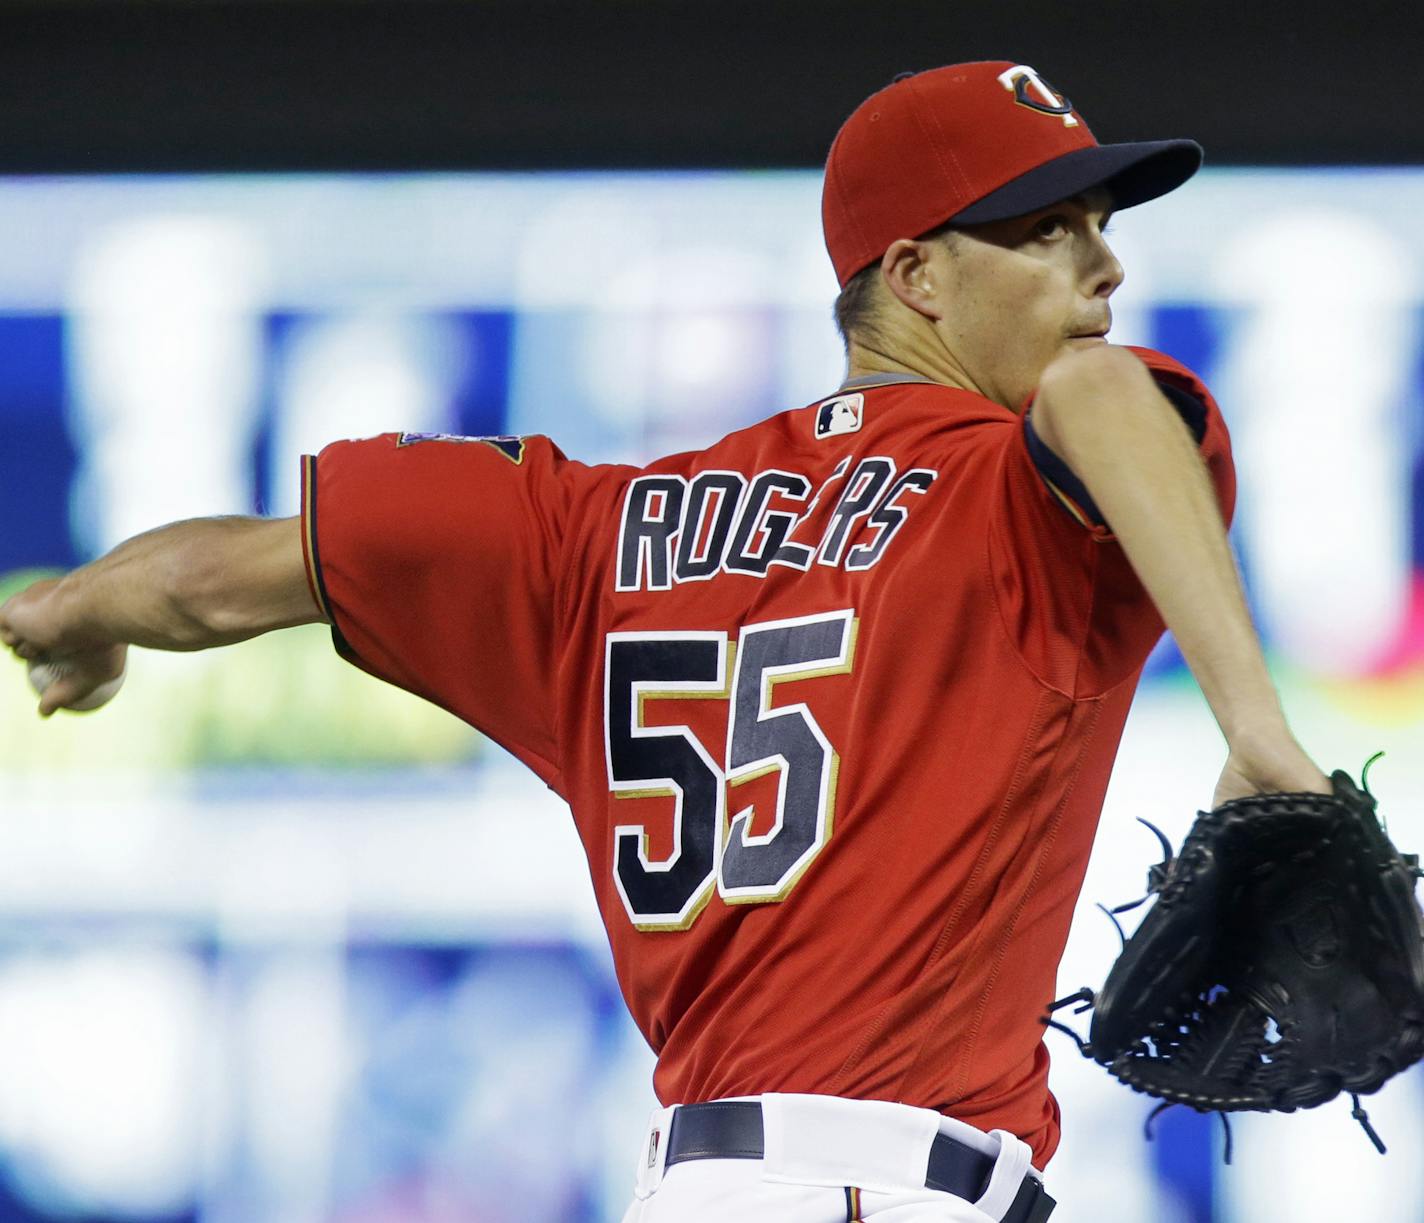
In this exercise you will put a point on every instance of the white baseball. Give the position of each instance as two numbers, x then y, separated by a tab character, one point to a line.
45	672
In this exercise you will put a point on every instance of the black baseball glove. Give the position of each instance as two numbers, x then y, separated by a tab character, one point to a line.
1282	962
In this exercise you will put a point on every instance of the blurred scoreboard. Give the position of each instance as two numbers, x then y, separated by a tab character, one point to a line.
169	346
279	942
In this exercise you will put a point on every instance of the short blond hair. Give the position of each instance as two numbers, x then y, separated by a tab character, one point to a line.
858	304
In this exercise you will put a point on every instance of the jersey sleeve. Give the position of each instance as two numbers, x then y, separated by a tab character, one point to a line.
1067	593
436	561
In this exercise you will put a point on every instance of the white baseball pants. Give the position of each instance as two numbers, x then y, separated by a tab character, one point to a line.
828	1160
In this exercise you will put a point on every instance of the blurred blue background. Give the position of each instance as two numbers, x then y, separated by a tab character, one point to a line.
280	943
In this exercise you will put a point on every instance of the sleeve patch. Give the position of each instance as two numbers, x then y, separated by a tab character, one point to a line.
512	447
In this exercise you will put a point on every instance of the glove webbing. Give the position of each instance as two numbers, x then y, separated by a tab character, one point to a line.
1085	998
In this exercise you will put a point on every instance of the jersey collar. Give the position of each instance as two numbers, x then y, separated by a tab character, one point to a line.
865	381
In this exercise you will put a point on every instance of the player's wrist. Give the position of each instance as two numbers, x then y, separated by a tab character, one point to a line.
71	627
1255	728
1271	759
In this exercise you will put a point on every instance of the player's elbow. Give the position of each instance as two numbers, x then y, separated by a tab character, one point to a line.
1103	376
1085	397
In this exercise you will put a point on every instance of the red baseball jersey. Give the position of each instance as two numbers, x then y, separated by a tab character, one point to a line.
834	703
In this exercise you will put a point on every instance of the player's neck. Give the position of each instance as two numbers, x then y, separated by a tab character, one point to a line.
927	361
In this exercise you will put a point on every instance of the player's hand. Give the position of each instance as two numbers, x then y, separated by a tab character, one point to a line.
34	627
80	682
1275	764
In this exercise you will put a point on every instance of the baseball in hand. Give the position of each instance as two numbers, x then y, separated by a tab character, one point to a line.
44	672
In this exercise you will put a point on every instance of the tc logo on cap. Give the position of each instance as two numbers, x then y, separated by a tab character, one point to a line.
843	414
1019	79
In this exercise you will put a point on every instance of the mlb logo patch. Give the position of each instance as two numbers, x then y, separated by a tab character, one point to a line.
843	414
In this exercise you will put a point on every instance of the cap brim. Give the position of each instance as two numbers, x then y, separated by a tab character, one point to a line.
1133	173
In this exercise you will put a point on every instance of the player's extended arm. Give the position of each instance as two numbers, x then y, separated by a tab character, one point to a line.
187	586
1100	411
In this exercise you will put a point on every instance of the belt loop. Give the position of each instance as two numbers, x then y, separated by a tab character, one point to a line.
652	1155
1010	1168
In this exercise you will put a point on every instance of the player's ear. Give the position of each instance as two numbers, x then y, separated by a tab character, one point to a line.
908	273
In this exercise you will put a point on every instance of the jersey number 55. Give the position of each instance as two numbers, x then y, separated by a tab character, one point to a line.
670	761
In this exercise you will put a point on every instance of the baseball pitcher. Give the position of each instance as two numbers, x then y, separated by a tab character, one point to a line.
834	701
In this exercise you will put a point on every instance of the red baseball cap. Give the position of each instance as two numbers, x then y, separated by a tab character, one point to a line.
972	143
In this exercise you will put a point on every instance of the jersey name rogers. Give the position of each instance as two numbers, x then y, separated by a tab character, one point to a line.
675	529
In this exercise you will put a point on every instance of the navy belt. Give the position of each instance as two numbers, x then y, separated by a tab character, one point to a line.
732	1129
